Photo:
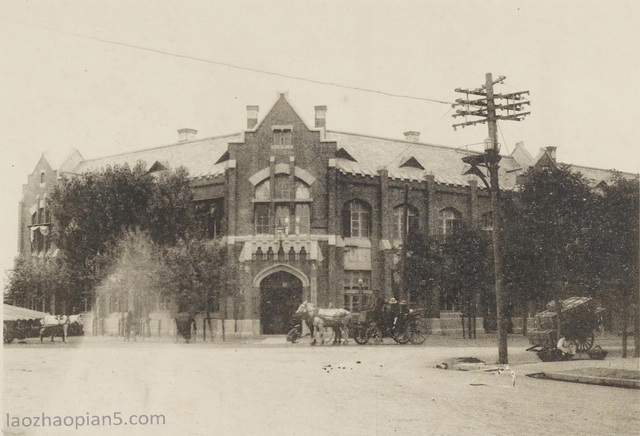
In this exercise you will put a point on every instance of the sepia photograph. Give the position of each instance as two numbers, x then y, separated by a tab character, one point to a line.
320	218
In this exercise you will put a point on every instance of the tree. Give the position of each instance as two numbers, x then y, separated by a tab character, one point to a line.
422	270
193	275
93	211
612	242
465	273
42	284
555	205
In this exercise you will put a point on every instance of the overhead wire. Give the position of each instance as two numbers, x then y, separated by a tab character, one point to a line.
239	67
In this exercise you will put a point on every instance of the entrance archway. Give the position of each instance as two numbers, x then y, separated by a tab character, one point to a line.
280	296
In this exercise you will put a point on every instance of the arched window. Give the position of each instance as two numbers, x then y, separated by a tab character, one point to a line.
356	217
412	222
449	222
272	214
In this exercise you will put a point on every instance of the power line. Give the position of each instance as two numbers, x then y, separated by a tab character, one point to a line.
238	67
504	141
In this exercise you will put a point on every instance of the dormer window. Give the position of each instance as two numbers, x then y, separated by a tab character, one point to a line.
282	136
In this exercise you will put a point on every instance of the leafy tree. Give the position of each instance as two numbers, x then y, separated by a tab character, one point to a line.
169	213
612	246
555	206
134	275
193	275
42	284
422	270
466	272
93	211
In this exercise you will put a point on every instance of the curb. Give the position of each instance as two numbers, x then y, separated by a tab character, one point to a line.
592	380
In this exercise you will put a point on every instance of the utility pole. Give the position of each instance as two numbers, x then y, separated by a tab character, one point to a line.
404	228
636	325
485	109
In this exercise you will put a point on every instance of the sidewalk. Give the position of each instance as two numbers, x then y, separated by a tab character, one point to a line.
612	371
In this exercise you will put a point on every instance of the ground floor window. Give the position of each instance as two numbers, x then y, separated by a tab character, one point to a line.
358	295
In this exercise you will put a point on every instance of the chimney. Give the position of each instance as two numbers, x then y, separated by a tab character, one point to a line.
252	116
551	151
412	136
185	135
321	116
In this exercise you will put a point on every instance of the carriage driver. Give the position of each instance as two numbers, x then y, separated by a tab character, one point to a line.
394	313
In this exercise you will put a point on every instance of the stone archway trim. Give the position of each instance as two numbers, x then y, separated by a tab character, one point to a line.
300	173
280	267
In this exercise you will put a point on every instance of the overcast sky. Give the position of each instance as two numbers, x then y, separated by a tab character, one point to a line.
111	77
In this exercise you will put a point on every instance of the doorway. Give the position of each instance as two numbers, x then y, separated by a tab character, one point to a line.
280	296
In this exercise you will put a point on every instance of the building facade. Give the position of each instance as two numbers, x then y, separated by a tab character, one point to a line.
305	213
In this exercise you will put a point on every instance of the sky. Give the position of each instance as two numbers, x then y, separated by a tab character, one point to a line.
112	77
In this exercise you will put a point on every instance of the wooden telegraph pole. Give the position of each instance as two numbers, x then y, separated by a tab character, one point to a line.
485	108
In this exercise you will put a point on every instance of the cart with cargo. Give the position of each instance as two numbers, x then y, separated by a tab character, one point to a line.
575	319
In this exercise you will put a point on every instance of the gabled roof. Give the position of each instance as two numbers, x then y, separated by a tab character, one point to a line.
597	176
522	156
594	176
201	158
444	163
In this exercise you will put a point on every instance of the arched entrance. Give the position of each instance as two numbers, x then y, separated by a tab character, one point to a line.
280	296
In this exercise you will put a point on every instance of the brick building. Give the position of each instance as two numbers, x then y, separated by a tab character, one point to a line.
306	213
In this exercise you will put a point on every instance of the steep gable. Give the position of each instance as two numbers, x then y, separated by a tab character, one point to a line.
411	162
344	154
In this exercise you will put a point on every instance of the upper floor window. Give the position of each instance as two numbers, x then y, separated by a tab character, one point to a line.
486	221
283	186
399	223
42	175
449	222
209	218
357	219
282	136
272	214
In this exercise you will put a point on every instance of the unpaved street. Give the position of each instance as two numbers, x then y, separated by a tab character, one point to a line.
285	389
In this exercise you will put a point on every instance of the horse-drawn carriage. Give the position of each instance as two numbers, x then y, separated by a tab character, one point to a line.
389	319
20	323
568	329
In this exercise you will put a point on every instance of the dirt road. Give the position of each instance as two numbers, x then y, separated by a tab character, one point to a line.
271	389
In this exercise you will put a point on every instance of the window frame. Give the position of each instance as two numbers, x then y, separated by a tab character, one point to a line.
413	221
282	137
289	208
357	219
449	221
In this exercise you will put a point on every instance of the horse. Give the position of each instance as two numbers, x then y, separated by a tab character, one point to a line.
53	324
76	325
321	318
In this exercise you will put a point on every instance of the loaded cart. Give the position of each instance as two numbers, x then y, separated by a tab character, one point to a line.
567	327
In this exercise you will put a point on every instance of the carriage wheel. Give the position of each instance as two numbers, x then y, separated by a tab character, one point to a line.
361	335
585	342
403	337
374	333
418	334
